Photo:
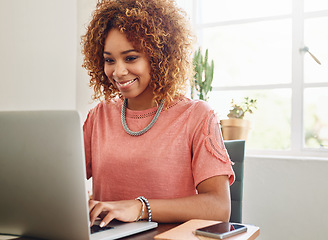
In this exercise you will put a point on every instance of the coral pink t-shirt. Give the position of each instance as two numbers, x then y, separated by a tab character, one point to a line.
183	148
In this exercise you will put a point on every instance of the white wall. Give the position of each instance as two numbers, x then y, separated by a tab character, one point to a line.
287	198
38	54
83	94
41	58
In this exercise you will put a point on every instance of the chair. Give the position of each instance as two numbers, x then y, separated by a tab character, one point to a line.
236	150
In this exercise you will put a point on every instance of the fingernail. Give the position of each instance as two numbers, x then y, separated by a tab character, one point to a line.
101	224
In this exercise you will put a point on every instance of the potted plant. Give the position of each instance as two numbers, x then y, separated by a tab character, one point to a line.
236	127
203	77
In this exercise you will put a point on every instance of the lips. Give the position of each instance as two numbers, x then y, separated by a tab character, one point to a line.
125	83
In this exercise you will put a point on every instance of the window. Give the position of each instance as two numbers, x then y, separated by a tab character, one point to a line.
259	50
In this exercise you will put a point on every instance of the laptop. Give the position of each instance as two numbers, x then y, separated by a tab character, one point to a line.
43	180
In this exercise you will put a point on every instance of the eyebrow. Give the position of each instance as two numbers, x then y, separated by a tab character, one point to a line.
124	52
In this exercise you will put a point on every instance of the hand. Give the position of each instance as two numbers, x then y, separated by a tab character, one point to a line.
125	211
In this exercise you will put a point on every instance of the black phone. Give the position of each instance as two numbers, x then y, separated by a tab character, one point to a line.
221	230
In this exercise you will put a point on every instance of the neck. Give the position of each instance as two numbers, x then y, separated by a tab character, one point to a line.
141	103
132	105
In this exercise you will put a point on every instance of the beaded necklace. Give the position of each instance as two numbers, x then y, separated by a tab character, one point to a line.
125	126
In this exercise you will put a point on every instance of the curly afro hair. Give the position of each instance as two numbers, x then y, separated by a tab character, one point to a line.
158	28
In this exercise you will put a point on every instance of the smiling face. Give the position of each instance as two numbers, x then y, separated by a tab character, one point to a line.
128	69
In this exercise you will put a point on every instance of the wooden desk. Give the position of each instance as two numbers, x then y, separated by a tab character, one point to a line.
149	235
252	233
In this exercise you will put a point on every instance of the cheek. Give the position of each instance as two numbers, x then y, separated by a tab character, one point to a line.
144	69
108	71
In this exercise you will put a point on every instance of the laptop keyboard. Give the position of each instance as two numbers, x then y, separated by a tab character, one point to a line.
96	228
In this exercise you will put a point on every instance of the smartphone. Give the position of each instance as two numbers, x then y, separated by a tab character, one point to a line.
221	230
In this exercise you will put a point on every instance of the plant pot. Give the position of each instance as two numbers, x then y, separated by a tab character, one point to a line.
235	128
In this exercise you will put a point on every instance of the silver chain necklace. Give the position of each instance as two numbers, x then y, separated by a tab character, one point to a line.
125	126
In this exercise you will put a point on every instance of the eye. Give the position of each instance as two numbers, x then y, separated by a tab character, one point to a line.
109	60
131	58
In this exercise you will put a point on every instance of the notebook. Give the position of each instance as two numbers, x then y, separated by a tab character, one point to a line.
42	178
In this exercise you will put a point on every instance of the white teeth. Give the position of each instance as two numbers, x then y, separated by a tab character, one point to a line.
127	83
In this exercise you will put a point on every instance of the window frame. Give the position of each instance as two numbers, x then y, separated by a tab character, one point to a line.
297	85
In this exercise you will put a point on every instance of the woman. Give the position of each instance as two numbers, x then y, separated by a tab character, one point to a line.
152	153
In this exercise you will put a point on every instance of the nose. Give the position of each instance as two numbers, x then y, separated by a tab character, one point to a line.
120	70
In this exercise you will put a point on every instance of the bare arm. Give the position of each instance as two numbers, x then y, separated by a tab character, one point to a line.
212	202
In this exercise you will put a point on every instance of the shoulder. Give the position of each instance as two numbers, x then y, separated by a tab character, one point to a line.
198	108
194	104
193	113
103	109
202	106
105	106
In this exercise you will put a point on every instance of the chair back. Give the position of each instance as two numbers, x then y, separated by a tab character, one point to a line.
236	151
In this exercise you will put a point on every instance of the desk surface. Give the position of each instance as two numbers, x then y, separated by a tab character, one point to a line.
149	235
252	233
181	232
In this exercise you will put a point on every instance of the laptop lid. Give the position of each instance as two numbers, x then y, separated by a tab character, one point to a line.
42	177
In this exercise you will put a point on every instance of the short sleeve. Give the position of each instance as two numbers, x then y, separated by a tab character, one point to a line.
210	157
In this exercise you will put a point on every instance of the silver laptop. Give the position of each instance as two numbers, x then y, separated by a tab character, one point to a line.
42	179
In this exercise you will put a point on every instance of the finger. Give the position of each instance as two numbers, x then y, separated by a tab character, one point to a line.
103	214
92	204
96	211
107	219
